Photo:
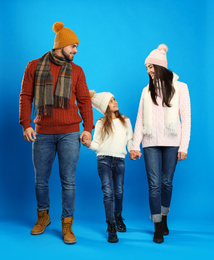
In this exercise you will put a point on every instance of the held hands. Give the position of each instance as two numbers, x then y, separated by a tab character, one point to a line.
182	156
29	134
134	154
85	138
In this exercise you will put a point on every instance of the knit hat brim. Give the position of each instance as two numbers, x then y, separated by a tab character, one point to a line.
158	56
101	100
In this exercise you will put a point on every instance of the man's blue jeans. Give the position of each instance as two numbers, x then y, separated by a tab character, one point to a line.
45	147
160	165
111	171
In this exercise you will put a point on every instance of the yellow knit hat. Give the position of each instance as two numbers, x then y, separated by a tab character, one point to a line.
64	36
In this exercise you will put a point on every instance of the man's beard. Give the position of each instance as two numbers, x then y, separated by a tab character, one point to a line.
66	56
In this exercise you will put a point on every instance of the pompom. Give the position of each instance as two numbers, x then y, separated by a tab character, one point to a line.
163	47
92	92
58	26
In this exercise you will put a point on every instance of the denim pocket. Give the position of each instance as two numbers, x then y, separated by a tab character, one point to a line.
100	157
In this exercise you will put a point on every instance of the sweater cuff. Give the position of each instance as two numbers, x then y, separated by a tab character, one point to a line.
93	146
88	128
182	150
26	125
135	148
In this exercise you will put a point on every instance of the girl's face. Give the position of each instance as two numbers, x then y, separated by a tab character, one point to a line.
150	70
113	105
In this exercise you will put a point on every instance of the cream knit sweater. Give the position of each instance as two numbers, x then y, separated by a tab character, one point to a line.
115	144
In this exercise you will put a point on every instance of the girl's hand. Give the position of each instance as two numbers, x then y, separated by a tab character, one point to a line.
87	143
182	156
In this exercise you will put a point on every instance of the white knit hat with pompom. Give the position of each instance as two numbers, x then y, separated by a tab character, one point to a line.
100	100
158	56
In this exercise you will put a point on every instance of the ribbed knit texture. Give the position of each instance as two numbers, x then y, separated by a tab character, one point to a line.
115	144
63	120
160	137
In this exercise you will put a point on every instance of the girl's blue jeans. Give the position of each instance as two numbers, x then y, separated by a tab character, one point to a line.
45	147
111	172
160	165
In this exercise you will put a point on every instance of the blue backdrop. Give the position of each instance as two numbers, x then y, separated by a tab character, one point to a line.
115	38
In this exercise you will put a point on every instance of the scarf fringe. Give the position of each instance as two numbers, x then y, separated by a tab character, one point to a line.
43	110
172	128
147	130
61	102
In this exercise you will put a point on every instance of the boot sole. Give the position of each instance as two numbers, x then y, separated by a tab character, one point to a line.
158	241
69	243
39	233
166	234
121	231
113	241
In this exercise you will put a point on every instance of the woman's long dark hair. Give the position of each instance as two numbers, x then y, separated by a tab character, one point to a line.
163	79
106	127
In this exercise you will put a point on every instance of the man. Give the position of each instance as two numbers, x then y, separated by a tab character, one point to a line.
55	83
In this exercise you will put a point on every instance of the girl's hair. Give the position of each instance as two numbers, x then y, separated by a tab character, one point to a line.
106	127
163	79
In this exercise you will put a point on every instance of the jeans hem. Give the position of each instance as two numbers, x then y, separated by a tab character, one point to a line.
69	216
156	217
164	210
43	209
111	221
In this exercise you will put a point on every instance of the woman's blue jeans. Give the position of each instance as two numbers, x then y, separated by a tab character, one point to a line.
111	171
45	147
160	165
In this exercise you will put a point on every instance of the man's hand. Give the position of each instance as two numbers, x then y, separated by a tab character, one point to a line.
134	154
182	156
85	138
29	134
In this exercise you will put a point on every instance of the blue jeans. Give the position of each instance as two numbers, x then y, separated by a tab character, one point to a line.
45	147
111	171
160	165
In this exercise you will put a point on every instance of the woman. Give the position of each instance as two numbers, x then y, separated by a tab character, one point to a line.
113	133
163	127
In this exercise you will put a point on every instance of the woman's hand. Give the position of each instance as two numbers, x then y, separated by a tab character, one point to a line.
134	154
182	156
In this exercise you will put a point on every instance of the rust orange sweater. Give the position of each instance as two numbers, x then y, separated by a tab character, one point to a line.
63	120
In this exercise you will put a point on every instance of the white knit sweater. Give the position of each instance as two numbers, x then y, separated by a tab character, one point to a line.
115	144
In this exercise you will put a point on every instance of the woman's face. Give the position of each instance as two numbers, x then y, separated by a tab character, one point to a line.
150	70
113	105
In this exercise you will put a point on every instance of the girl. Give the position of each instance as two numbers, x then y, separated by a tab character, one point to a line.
113	133
163	127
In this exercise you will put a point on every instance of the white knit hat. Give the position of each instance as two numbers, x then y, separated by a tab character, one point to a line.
158	56
100	100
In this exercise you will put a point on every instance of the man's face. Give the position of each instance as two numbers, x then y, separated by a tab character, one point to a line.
69	51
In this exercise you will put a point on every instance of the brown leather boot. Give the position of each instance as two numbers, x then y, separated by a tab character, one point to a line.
67	233
42	222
